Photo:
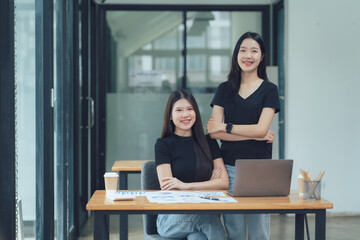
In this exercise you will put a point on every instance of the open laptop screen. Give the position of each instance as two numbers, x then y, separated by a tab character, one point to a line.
262	177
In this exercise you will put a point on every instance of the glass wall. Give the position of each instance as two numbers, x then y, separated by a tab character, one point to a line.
211	37
25	112
147	64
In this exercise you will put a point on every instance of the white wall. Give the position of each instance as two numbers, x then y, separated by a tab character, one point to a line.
322	95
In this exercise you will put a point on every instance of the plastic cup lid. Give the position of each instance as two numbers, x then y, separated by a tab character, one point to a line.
111	174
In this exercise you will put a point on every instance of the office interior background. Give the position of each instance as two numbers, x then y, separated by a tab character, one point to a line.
84	83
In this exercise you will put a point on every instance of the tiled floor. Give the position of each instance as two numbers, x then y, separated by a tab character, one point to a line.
282	227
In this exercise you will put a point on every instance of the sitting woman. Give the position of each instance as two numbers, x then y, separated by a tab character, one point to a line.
186	159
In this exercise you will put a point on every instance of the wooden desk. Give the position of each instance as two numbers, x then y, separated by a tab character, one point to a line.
125	167
246	205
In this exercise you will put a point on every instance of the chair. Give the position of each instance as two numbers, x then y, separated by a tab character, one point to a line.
149	181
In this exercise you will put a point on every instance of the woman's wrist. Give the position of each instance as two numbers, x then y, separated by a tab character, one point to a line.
223	127
187	186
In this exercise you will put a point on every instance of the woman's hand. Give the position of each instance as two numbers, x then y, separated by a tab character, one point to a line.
269	137
216	173
214	126
172	183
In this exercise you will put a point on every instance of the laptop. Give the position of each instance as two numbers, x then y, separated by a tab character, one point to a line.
262	177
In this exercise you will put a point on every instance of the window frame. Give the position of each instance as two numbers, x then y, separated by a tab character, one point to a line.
7	121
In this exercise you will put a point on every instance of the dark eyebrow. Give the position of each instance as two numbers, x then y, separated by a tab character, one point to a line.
252	48
183	107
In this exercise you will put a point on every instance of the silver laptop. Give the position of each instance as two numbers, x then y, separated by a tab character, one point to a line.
262	177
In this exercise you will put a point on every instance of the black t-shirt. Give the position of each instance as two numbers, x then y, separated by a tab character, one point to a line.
180	154
245	111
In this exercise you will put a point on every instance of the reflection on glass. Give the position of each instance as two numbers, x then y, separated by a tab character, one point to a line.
25	116
196	69
211	37
219	67
148	46
168	41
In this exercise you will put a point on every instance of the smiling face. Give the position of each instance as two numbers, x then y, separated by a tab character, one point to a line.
183	116
249	55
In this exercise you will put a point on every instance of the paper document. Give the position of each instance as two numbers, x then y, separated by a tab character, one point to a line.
122	196
187	197
211	194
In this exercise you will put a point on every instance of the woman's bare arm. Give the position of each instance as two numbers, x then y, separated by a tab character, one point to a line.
261	132
219	180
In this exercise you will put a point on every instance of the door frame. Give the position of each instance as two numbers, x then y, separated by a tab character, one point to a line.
7	121
99	63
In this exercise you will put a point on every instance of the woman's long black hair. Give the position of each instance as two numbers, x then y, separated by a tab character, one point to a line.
204	163
234	77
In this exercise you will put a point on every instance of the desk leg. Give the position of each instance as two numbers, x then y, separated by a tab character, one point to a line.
320	225
123	218
101	226
123	180
299	226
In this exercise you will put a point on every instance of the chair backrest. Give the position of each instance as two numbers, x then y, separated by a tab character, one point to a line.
149	181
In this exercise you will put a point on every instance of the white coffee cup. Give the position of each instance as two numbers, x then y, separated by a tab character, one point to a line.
111	181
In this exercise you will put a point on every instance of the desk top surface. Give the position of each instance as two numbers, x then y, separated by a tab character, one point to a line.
99	202
128	165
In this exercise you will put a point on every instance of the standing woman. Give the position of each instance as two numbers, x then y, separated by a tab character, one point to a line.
243	108
186	159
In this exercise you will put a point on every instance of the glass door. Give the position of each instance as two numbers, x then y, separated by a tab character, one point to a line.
25	52
142	57
146	64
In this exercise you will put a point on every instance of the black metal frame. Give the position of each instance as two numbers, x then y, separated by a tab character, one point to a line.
183	7
99	64
7	122
77	221
84	130
62	104
68	119
264	9
96	166
98	89
100	101
101	219
281	87
44	120
276	8
71	167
